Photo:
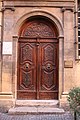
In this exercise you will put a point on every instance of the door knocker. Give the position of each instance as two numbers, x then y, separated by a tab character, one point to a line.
27	65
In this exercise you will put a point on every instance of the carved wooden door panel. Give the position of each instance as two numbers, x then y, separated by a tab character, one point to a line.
38	61
27	71
48	75
38	69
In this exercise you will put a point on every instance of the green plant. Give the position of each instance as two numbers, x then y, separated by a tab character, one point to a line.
74	99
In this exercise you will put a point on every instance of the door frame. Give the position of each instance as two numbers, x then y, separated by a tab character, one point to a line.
55	20
14	66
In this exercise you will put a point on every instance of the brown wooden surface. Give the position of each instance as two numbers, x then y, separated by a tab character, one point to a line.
37	62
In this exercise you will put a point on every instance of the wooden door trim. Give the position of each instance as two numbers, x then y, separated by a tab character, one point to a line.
42	40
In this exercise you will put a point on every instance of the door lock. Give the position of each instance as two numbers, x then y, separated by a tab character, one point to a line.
37	44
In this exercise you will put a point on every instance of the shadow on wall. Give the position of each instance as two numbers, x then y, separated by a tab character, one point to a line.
5	106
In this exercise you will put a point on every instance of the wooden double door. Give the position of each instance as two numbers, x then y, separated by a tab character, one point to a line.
38	68
38	61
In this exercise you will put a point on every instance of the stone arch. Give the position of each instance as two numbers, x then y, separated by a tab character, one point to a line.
38	26
38	12
55	20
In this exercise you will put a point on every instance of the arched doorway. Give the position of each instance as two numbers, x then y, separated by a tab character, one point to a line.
38	60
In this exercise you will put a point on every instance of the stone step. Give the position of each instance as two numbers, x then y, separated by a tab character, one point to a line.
35	110
49	103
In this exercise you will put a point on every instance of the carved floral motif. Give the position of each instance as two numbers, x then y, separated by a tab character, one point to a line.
38	29
26	53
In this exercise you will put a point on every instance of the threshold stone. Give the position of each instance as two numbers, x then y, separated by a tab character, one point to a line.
35	110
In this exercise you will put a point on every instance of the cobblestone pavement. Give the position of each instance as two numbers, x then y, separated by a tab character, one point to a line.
66	116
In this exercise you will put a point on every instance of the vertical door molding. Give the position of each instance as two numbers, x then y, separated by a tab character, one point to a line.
14	67
61	65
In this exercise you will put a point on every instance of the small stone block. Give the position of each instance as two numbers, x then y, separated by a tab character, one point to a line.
68	64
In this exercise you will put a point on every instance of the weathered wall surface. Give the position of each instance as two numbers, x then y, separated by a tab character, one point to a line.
63	10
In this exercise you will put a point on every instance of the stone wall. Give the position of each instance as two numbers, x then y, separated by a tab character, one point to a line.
14	12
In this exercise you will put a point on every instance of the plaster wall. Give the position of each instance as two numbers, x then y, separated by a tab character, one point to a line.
14	14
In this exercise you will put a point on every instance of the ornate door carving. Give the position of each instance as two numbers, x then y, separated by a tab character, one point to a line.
38	62
27	71
48	79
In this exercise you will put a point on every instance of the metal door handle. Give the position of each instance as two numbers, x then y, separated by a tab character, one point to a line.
48	66
27	65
